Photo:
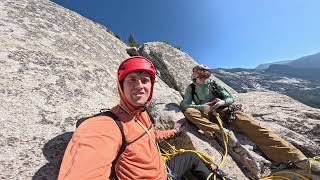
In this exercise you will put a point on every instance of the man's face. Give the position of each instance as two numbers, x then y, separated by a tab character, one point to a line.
199	80
137	88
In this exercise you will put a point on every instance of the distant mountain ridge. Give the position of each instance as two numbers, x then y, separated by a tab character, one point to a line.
267	65
295	71
310	61
299	79
246	80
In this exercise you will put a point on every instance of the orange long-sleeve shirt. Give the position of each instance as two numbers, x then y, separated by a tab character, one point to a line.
96	142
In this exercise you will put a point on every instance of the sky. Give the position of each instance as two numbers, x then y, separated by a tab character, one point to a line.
217	33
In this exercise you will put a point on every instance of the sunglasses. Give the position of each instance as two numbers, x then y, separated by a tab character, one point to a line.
201	78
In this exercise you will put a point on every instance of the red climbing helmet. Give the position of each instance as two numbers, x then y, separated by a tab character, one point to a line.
136	63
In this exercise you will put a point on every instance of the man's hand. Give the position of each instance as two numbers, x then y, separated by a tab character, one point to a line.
218	104
206	108
179	125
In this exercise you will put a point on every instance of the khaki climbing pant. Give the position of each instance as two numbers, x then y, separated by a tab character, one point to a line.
271	144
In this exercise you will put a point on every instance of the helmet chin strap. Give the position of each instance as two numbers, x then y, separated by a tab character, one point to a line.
144	107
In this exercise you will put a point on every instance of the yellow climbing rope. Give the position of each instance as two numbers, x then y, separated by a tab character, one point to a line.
277	175
208	178
312	161
204	157
281	176
224	137
167	156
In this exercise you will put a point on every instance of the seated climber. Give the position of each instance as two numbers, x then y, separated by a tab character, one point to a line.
96	150
204	96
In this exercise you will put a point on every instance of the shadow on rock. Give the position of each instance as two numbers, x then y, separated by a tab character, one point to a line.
53	151
173	107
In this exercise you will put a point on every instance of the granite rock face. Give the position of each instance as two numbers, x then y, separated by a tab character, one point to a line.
294	121
174	66
57	67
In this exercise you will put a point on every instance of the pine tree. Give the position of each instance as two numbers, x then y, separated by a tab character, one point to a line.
132	42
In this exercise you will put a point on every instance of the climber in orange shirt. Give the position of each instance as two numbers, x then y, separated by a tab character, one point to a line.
94	152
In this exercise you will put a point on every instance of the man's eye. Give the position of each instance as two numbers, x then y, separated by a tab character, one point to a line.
131	80
145	80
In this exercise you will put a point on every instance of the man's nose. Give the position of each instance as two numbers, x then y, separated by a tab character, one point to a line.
139	84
